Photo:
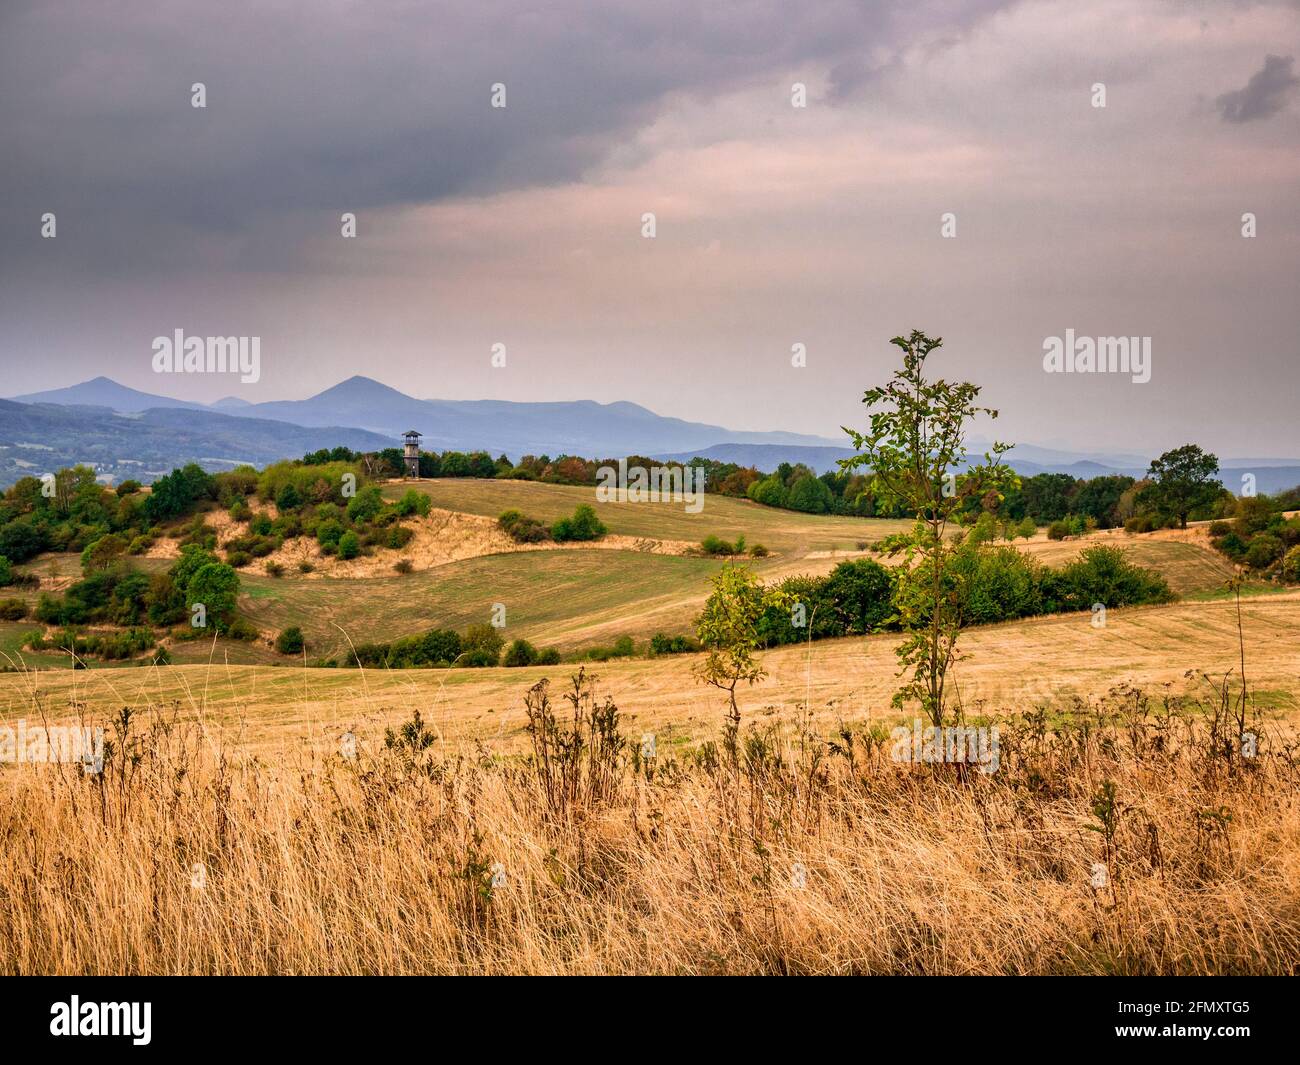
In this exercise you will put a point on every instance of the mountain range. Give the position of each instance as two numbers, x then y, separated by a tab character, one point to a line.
126	432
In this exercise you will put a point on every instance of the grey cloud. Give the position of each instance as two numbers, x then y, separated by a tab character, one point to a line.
326	108
1265	93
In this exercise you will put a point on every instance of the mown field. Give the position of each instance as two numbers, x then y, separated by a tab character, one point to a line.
1008	668
575	598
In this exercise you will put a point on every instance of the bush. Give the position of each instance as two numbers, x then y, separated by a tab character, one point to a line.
349	545
523	529
305	567
365	505
715	545
412	502
1058	530
12	610
1220	528
859	593
997	584
660	644
520	653
399	536
288	498
1142	523
584	525
758	551
1101	575
1264	549
290	641
403	566
481	645
548	656
1290	571
274	569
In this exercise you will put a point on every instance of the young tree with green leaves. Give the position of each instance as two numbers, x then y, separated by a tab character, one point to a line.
913	449
729	630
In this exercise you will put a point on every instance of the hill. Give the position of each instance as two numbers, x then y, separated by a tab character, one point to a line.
38	438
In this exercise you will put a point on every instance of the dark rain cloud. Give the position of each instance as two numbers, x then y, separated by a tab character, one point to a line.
330	107
1264	95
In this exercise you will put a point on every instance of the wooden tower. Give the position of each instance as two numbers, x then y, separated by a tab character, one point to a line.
411	456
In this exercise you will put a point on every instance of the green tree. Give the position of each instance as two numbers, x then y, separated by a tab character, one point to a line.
913	448
100	554
193	558
729	629
216	586
810	495
1181	481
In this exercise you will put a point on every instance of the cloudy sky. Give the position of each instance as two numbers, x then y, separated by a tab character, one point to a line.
775	225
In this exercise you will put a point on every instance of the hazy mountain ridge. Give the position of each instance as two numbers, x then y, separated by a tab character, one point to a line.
40	438
134	433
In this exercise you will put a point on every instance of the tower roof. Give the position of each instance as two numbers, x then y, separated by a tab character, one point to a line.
410	432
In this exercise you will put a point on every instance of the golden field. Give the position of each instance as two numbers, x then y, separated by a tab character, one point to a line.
283	819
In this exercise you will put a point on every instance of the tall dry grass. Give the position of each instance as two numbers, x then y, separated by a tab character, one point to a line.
763	853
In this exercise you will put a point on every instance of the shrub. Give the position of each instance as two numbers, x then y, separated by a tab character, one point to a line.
127	487
859	593
365	505
290	641
1142	523
481	645
584	525
1290	566
715	545
997	584
1102	575
523	529
1263	550
1058	530
520	653
1027	528
412	502
1220	528
548	656
661	644
274	569
399	536
288	498
758	551
305	567
12	610
403	566
349	545
139	545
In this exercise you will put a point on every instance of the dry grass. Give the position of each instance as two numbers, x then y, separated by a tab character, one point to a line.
426	856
